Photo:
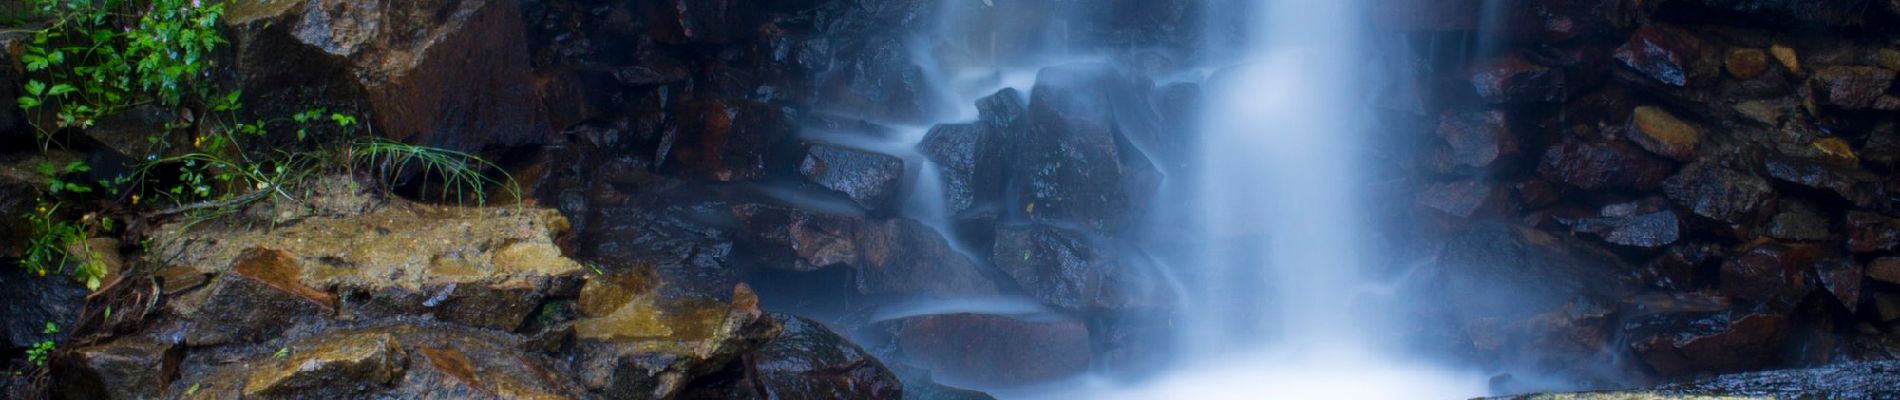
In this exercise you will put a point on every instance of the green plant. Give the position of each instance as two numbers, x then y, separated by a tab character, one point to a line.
44	349
463	175
98	57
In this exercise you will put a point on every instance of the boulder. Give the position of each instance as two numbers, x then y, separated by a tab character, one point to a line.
872	180
1512	291
255	297
785	237
126	368
879	81
1681	344
1849	182
1667	55
905	257
450	74
1769	272
1076	164
727	141
809	361
703	22
632	342
1662	133
1478	139
970	161
1719	193
1073	270
991	350
1851	88
1512	79
679	236
1603	165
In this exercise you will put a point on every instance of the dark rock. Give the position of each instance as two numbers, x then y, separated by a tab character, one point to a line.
447	74
1851	183
880	81
338	365
634	344
905	257
1511	291
1885	269
1627	226
808	361
127	368
1664	54
1077	164
1465	198
469	366
991	350
1071	269
1846	380
672	234
1662	133
1830	13
1512	79
1869	232
870	179
1603	165
970	162
702	21
1744	63
1680	344
1478	139
1719	193
1842	278
30	302
261	292
791	238
1768	272
1798	221
729	141
19	181
1851	87
918	385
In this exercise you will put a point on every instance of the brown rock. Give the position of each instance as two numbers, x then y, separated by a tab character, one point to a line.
728	141
1851	87
1768	272
127	368
1787	57
1885	269
1842	278
342	365
1477	139
868	178
990	350
1662	133
1719	193
1887	306
1744	63
1603	165
1889	59
1869	232
262	291
1688	343
1512	79
1665	55
905	257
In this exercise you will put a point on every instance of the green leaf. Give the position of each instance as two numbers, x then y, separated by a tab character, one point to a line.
36	88
51	328
29	102
62	89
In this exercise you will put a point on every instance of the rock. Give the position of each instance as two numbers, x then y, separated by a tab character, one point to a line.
1885	269
1663	54
808	361
1851	88
969	161
337	366
469	367
1662	133
1787	57
1072	270
1465	198
992	350
791	238
1628	226
1842	278
19	180
1887	307
126	368
673	234
1745	63
1478	139
1889	59
905	257
255	298
1845	380
1680	344
880	81
870	179
1849	182
703	22
446	74
1838	14
29	302
1073	166
1512	79
633	343
1603	165
918	385
1798	221
1511	290
1768	272
1869	232
1718	193
728	141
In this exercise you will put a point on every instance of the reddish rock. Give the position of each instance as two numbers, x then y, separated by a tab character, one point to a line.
905	257
1603	165
1842	278
1869	232
786	237
1666	55
1512	79
253	301
1768	272
1662	133
728	140
1851	87
1719	193
1679	344
991	350
1479	138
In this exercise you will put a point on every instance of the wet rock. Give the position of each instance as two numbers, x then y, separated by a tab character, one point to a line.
1842	278
808	361
1744	63
1719	193
448	74
1626	225
126	368
1603	165
879	81
1681	344
905	257
1465	198
674	234
634	343
969	160
1798	221
1768	272
1787	56
1851	87
1512	79
992	350
1663	54
338	366
728	141
708	22
1887	307
869	179
1847	380
1515	291
1849	182
1662	133
791	238
18	180
1073	166
30	301
1800	12
1071	269
1885	269
252	300
1478	139
919	385
463	367
1869	232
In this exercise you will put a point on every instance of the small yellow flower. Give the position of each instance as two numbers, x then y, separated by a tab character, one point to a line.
198	142
135	199
42	273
